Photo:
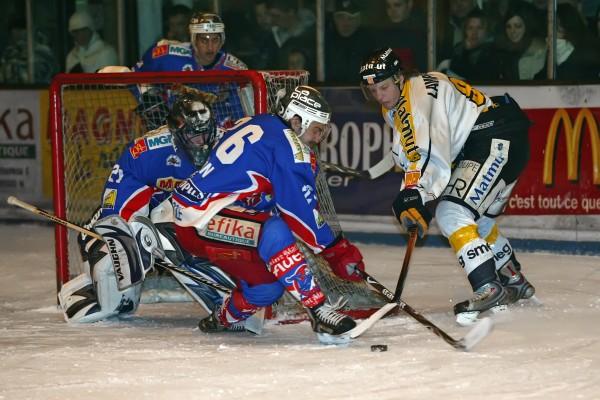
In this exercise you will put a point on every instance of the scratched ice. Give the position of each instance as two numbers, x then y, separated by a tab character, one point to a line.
552	352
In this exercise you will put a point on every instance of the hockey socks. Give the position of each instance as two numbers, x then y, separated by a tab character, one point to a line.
291	269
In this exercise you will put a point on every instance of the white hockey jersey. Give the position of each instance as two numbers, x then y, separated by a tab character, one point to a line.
431	123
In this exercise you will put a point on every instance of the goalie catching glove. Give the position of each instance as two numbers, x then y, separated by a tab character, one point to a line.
344	258
409	209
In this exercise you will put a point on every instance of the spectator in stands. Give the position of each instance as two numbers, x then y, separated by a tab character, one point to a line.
297	59
473	59
577	57
405	31
452	30
495	12
14	61
293	28
459	9
345	43
90	52
203	52
256	37
521	54
177	22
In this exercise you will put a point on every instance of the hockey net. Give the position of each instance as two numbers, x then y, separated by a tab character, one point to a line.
94	116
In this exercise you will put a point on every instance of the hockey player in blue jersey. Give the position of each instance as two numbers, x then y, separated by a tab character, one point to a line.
146	172
265	163
203	52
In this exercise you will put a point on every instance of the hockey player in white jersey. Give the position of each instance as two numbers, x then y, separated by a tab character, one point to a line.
463	151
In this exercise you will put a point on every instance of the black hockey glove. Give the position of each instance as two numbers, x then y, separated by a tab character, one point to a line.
409	209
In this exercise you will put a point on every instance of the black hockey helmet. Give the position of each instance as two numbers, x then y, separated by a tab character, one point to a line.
309	105
193	126
379	66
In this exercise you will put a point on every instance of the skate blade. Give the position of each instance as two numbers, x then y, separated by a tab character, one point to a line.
533	300
467	318
254	324
470	318
337	340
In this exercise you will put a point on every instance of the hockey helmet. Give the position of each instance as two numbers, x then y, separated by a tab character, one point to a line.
193	126
205	23
379	66
310	106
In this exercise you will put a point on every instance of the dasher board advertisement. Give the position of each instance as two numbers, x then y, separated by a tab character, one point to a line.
20	173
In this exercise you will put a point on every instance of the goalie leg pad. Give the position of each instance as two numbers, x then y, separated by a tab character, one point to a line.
110	298
131	252
84	300
79	302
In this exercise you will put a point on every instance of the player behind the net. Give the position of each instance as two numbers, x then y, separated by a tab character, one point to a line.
204	52
464	150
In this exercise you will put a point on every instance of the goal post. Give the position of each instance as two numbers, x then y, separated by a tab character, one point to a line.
59	131
94	116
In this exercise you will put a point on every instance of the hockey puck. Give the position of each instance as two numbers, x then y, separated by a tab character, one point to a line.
379	347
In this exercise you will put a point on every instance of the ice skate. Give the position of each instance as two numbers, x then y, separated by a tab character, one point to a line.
212	324
330	325
515	283
492	296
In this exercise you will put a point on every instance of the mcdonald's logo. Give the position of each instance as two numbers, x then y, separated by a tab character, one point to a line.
573	137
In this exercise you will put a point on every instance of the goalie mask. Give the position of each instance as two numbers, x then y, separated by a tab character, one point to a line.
193	127
206	23
306	110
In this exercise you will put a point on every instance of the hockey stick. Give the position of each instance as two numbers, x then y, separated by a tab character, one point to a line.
161	263
412	240
374	172
474	336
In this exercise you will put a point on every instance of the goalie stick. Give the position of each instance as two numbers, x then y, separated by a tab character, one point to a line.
161	263
474	336
379	169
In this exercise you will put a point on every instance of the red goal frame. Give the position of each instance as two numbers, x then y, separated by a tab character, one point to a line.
252	77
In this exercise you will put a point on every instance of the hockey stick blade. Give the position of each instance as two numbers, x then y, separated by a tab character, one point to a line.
346	338
477	333
369	322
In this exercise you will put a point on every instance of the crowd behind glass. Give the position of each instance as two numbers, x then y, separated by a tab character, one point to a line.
489	41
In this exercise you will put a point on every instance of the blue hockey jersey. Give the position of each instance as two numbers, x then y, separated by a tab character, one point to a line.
176	56
263	164
145	173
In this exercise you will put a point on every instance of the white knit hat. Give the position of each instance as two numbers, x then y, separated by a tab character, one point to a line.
80	20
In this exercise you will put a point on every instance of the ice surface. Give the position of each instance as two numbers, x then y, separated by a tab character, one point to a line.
549	352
